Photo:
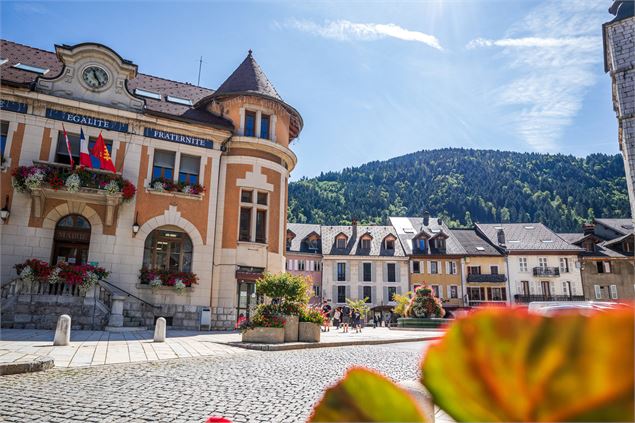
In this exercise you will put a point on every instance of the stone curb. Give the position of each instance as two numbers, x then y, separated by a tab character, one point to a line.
36	365
306	345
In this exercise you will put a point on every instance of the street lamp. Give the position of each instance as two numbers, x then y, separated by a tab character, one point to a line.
135	225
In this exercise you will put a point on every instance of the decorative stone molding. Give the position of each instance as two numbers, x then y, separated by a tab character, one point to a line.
72	207
171	216
39	197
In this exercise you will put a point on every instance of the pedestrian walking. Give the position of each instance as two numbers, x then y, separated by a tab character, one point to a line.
388	319
326	310
346	318
357	321
337	317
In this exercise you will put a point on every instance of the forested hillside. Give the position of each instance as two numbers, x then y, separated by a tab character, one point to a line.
467	186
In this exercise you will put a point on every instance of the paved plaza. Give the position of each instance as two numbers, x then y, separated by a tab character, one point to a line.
95	348
243	385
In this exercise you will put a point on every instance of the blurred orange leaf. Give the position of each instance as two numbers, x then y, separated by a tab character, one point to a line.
507	365
366	396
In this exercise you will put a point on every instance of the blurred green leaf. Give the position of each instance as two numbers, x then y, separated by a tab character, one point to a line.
365	396
508	365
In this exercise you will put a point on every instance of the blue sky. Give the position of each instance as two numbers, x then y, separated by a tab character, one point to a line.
373	80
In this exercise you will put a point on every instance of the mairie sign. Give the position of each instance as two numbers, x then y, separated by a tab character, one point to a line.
109	125
13	106
179	138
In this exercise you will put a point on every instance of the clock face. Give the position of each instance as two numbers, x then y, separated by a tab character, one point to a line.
95	77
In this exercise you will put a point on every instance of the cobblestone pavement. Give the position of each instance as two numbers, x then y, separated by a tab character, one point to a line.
250	387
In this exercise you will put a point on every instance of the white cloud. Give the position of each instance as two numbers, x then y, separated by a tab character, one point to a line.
344	30
551	56
579	42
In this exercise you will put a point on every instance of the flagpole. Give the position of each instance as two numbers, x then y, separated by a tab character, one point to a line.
68	148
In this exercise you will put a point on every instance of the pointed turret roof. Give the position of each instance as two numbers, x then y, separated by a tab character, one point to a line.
248	78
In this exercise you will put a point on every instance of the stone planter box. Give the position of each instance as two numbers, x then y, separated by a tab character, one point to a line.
309	332
422	323
264	335
291	328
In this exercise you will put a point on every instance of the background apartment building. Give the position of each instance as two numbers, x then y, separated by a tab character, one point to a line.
435	256
304	255
363	262
541	265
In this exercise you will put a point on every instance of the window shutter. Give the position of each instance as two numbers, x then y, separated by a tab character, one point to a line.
607	267
398	290
397	272
384	276
348	291
373	295
335	271
447	268
334	294
429	267
164	159
190	164
347	271
360	272
613	289
385	295
373	272
412	267
598	292
360	292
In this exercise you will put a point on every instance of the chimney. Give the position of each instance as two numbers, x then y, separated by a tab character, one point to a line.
588	228
426	218
500	234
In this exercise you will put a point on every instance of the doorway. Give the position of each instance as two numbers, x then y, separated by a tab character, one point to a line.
71	240
246	299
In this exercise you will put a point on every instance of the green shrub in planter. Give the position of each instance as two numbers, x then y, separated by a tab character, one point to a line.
312	315
284	288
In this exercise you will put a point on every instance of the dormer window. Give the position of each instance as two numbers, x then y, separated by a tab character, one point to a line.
290	236
340	241
312	244
389	244
439	243
366	244
589	246
257	124
421	244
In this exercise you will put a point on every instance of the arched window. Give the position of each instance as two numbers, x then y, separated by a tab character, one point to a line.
168	248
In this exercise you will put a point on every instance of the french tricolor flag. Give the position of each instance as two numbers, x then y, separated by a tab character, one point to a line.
84	155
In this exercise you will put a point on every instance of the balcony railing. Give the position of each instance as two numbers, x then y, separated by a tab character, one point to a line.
486	278
530	298
550	272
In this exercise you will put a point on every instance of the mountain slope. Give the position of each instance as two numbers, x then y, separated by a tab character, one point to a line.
466	186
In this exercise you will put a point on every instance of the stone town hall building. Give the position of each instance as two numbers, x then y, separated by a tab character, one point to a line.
234	141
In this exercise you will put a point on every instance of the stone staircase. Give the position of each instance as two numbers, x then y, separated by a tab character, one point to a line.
38	305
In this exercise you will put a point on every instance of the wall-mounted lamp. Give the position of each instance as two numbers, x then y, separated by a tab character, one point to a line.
5	212
135	225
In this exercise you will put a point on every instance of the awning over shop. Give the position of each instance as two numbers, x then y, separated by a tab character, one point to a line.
249	274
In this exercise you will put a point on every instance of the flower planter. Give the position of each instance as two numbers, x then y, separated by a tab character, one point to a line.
422	323
309	332
291	328
260	335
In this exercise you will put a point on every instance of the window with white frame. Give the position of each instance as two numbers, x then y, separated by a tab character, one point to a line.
435	289
391	270
473	270
316	290
598	292
341	294
250	124
253	216
392	290
189	169
367	272
542	262
416	267
603	266
341	272
434	267
367	293
4	134
454	291
365	243
389	244
564	265
613	291
340	241
451	267
301	264
163	165
493	270
522	263
257	124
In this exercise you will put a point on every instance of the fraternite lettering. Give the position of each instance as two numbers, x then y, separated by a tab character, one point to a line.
179	138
